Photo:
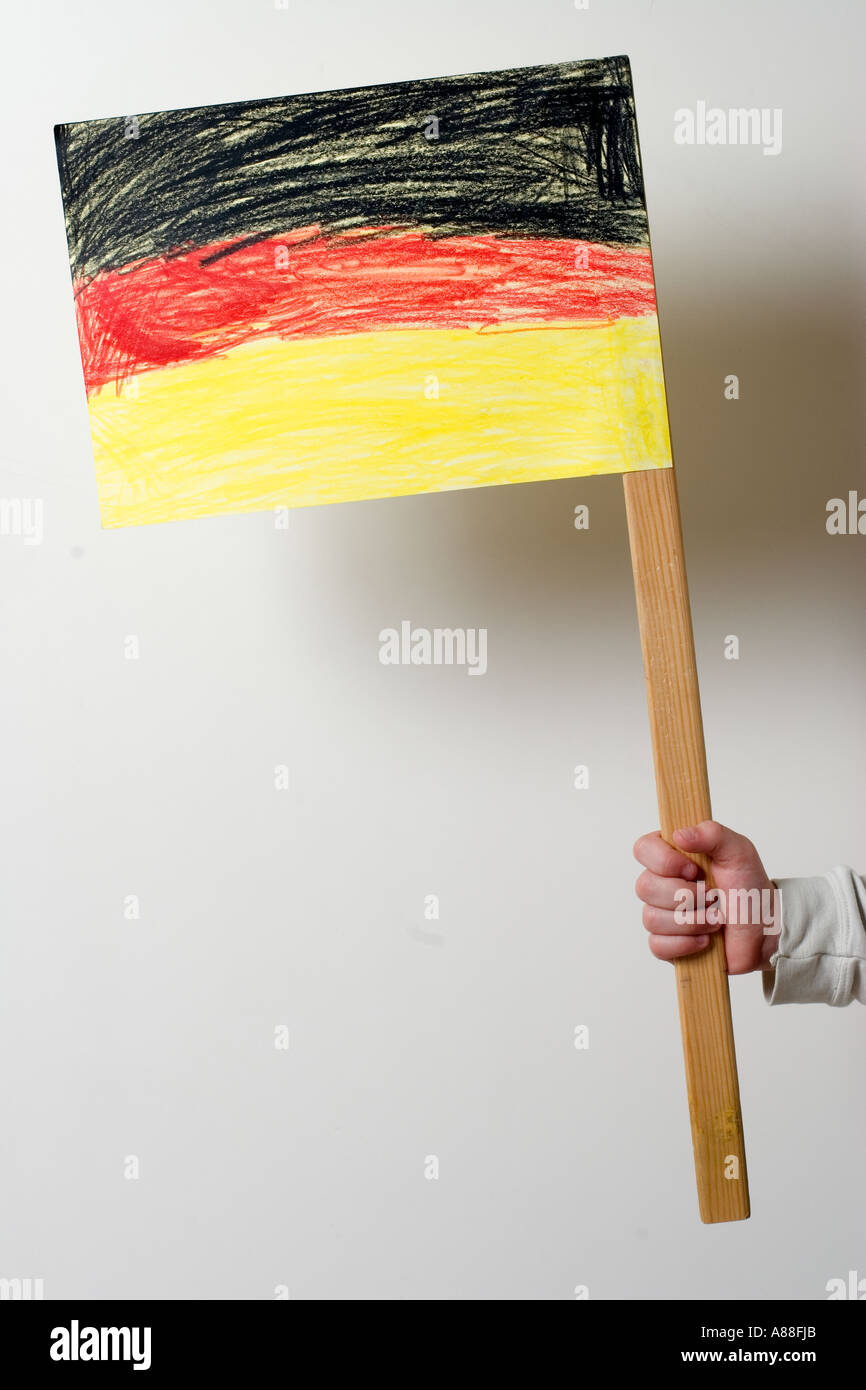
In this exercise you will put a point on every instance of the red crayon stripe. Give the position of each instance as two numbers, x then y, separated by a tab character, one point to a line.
168	310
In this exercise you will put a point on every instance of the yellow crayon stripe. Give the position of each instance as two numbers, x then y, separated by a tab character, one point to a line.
306	421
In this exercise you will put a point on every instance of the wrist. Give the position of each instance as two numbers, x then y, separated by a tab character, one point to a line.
773	930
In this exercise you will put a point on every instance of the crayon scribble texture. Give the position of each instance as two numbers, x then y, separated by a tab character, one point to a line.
308	300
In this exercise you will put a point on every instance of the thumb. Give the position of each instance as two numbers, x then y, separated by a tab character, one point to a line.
732	854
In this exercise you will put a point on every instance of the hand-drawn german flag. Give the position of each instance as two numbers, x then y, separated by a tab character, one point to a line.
365	293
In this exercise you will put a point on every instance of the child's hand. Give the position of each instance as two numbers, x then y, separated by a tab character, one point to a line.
677	925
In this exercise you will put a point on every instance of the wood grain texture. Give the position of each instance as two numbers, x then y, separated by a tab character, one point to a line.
661	590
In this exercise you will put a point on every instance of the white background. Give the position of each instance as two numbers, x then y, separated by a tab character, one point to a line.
258	647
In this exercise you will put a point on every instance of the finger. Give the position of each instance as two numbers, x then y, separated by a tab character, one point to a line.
662	923
725	847
661	858
662	892
675	947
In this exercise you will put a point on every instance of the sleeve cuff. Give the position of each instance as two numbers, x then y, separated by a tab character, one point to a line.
821	954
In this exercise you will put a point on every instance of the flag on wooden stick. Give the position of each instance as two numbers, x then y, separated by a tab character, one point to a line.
393	290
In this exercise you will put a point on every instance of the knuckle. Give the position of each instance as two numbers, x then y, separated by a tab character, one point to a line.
642	885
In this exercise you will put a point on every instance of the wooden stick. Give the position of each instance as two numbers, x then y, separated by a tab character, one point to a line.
655	535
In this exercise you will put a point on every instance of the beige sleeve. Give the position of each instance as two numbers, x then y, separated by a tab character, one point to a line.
821	956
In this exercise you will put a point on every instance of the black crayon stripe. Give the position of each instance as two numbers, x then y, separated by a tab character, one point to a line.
536	152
